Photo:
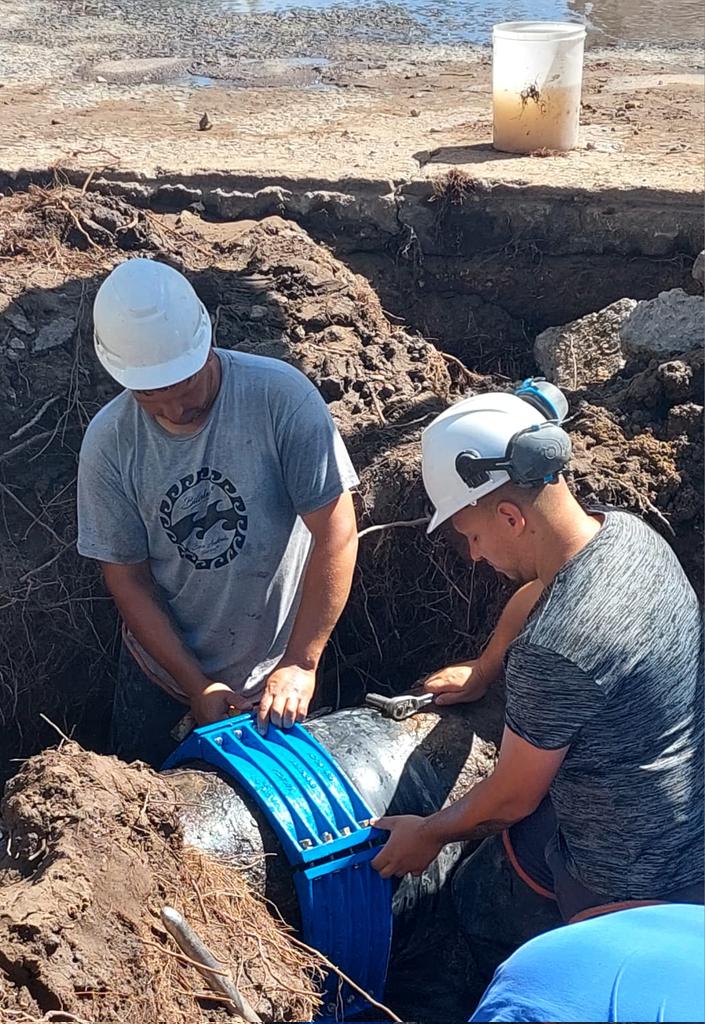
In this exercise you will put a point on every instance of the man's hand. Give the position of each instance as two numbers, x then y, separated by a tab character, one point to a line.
409	849
287	695
215	703
456	684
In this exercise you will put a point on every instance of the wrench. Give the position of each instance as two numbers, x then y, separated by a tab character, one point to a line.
398	708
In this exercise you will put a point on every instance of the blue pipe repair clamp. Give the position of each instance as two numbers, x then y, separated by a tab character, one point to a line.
324	827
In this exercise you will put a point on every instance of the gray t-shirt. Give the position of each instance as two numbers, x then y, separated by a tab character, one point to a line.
217	513
610	663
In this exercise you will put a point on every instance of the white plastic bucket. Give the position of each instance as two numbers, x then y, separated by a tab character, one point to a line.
537	74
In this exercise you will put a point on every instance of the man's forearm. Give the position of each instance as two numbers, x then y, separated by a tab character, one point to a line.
484	810
325	591
149	623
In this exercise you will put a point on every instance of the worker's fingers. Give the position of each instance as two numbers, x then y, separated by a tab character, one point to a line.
265	706
451	697
389	868
302	710
380	862
434	684
276	713
238	703
442	684
386	823
290	712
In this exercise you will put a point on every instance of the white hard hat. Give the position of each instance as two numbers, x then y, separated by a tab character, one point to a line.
482	425
150	328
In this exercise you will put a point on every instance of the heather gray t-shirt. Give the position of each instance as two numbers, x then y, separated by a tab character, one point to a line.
217	513
610	663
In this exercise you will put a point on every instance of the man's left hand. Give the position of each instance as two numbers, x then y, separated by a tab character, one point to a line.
409	849
287	695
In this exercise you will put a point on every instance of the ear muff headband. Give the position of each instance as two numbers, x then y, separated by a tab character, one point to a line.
535	455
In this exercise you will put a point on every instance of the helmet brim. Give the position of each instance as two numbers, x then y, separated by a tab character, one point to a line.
437	519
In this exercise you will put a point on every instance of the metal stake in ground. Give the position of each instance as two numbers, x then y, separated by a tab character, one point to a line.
205	963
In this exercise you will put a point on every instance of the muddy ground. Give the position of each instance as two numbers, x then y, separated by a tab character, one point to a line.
329	97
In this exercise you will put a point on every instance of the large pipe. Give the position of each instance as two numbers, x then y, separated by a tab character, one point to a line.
408	767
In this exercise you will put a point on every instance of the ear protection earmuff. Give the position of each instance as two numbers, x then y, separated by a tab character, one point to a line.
535	455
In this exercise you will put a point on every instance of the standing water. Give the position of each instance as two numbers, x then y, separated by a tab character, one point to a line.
631	22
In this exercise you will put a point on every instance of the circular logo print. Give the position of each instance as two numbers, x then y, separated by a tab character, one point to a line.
205	517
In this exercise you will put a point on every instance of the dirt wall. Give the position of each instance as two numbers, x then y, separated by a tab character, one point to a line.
271	289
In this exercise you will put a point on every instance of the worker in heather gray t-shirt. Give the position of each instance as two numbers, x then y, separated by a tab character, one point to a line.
609	665
218	505
596	800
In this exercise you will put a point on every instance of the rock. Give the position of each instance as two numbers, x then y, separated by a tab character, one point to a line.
331	389
684	420
19	321
605	147
699	268
675	378
672	322
54	334
585	351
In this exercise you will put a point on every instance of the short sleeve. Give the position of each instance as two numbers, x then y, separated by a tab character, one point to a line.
549	698
110	528
315	462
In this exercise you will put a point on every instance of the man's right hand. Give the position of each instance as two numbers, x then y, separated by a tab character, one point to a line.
457	684
216	702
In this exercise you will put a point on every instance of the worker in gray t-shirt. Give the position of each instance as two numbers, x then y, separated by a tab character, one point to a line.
215	493
597	796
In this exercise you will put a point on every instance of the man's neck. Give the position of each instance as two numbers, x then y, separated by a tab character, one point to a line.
562	539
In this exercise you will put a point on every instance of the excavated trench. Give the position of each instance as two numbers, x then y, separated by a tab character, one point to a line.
394	301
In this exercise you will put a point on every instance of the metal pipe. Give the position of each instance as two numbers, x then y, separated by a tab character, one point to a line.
402	767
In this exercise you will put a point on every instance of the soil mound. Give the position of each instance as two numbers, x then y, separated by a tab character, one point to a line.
92	850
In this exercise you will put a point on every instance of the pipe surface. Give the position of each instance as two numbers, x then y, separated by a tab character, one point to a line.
410	767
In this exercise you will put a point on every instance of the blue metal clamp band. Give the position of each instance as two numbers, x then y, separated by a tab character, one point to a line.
324	827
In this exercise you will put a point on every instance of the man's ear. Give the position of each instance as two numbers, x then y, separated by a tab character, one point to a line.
512	517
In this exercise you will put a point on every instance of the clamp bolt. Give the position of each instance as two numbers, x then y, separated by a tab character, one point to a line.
327	837
306	844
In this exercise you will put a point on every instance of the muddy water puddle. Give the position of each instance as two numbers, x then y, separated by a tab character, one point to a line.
609	22
294	72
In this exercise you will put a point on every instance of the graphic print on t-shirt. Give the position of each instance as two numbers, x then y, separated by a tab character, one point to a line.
205	517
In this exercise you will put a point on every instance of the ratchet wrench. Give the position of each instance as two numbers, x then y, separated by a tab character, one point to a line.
398	708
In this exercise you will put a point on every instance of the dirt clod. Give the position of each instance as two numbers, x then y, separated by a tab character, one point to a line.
91	852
